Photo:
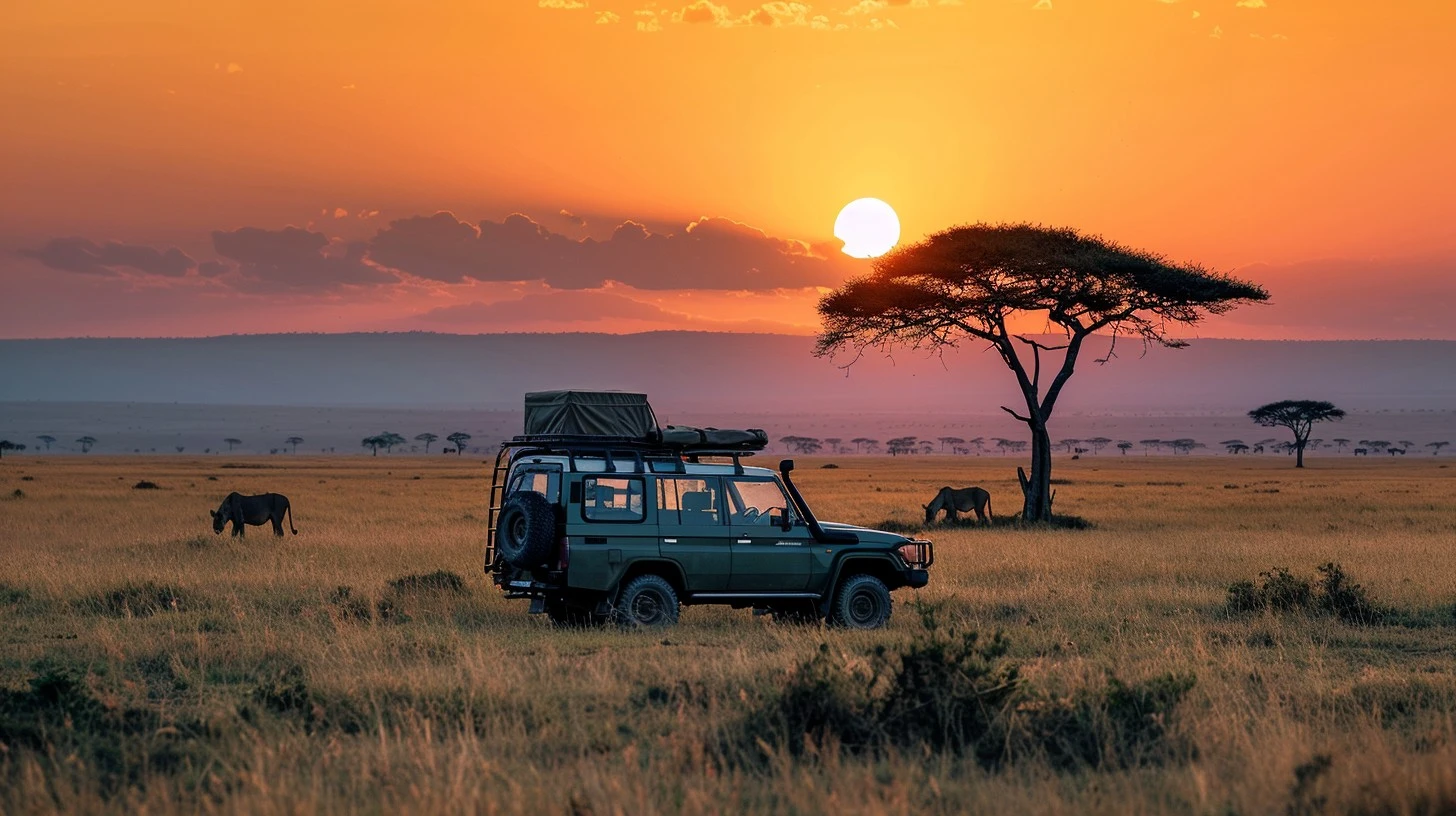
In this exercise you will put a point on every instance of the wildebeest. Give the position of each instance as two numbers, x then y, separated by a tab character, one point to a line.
963	500
254	510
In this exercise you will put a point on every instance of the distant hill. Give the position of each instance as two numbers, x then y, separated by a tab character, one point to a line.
699	372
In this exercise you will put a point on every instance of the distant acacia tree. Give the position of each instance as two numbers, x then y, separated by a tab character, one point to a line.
47	439
458	439
1299	416
1149	444
859	443
1231	444
872	446
1068	444
232	442
295	441
86	442
951	441
979	443
427	438
835	443
181	448
1436	446
1340	444
1098	443
374	443
1124	446
389	439
899	445
974	281
7	445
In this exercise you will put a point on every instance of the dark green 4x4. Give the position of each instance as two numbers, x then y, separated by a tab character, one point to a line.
594	528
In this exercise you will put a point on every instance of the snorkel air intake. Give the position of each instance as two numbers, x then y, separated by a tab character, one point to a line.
820	534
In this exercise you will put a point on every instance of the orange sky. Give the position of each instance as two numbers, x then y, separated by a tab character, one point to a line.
156	152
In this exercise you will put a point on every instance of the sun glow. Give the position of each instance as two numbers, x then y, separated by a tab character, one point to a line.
868	227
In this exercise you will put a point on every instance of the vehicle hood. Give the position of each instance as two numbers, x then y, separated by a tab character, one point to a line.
867	535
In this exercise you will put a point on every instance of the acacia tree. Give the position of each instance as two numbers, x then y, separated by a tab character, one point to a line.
7	445
374	443
976	281
295	441
1298	416
231	443
1436	446
47	439
86	442
427	438
458	439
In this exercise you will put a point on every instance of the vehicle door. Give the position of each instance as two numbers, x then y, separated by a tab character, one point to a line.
691	522
608	525
766	558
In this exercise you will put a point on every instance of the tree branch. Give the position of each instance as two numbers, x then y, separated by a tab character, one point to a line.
1027	420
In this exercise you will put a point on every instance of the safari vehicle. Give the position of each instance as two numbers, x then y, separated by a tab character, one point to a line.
598	515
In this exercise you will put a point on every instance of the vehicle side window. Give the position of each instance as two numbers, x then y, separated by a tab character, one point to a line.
545	482
689	502
612	499
752	500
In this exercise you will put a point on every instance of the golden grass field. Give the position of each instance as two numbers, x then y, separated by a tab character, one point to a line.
215	675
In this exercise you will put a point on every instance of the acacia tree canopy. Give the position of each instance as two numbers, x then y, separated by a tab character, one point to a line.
974	281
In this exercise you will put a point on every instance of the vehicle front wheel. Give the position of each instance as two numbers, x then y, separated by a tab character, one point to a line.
647	601
862	602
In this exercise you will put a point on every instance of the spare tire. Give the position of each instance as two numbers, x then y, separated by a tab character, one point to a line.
526	530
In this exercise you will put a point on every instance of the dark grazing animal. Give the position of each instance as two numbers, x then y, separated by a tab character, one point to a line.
254	510
963	500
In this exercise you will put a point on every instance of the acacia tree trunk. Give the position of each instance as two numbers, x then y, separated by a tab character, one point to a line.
1036	489
1299	453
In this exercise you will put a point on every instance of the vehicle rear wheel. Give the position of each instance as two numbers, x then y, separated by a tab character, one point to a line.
647	601
797	613
526	530
862	602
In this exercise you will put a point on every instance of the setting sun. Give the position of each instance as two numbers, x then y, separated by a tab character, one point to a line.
868	227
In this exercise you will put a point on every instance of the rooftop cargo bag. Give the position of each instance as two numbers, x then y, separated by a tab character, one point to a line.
590	413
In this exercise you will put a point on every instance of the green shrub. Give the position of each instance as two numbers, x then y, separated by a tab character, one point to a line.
1334	592
1346	599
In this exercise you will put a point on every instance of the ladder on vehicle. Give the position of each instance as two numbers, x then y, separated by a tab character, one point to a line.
497	498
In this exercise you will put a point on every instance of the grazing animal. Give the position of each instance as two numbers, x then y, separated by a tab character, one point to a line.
254	510
963	500
1362	451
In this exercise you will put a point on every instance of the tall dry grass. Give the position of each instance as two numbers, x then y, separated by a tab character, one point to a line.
150	665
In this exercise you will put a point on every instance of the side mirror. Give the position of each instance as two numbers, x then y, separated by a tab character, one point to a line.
780	520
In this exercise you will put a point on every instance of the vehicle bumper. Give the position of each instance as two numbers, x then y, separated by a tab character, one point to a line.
917	578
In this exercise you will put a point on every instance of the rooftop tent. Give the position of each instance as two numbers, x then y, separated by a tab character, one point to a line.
589	413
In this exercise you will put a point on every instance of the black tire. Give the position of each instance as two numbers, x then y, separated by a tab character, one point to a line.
647	601
861	602
525	533
566	616
797	613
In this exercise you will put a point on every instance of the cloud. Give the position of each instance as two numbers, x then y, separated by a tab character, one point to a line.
572	218
702	11
608	17
710	253
88	258
295	259
1251	4
647	21
1042	5
561	4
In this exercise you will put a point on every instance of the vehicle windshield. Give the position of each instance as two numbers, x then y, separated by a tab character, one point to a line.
754	500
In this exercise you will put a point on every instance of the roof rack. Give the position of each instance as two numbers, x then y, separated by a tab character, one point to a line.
637	451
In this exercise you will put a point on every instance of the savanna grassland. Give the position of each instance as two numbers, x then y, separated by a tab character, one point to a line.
148	665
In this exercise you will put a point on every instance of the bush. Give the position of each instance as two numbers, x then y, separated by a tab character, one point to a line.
139	600
1349	601
437	581
1334	592
146	485
952	691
